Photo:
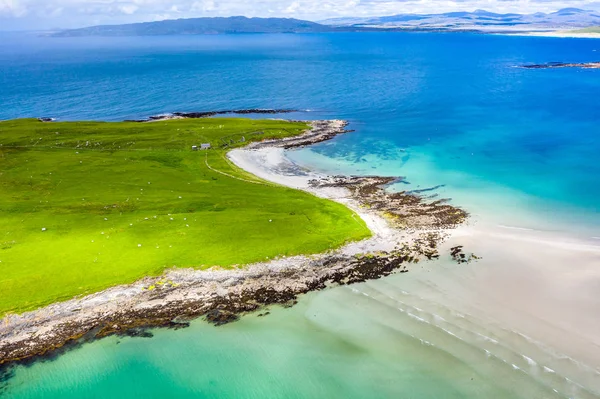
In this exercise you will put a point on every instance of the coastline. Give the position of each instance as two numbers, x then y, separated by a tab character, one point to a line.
514	147
405	230
565	34
534	293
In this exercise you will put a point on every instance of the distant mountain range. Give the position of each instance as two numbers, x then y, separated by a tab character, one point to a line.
480	20
477	20
201	26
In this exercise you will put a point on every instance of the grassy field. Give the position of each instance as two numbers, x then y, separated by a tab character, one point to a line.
593	29
89	205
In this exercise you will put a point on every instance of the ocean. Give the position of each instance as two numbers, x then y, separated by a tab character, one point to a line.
451	113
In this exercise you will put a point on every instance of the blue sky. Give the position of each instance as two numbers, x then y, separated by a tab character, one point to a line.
48	14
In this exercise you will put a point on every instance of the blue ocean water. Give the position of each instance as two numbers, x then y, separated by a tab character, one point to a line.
447	102
513	146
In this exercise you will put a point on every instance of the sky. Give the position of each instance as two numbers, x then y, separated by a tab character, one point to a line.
50	14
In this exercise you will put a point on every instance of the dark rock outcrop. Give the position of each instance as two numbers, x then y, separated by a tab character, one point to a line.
208	114
550	65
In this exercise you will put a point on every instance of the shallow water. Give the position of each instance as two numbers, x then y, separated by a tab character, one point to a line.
388	338
515	147
322	348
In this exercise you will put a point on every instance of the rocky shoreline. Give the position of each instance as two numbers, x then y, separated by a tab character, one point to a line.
201	114
551	65
414	228
320	130
208	114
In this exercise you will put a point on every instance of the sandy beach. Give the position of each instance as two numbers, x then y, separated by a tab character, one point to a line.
550	277
558	33
270	163
531	302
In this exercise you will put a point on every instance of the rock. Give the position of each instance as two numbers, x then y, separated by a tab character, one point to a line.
550	65
207	114
219	317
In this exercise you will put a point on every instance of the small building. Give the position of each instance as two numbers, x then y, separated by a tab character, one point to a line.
203	146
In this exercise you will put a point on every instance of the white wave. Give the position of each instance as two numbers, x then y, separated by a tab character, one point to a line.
515	228
417	317
486	338
451	333
529	360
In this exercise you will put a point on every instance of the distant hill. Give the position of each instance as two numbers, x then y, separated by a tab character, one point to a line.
200	26
477	20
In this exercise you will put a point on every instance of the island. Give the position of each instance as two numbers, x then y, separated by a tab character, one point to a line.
200	26
114	227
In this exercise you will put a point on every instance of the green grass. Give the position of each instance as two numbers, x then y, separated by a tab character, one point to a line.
593	29
120	201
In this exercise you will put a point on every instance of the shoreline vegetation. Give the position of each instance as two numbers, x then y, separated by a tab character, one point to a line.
383	233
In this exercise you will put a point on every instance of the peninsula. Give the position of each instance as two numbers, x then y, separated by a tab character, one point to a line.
113	227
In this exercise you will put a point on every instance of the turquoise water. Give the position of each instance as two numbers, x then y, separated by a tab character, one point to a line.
317	350
371	340
515	147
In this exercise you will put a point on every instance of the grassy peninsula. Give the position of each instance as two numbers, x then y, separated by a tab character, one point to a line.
89	205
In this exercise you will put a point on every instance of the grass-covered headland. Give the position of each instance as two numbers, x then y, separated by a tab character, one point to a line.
89	205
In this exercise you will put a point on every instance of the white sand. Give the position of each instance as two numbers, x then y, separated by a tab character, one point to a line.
537	293
541	284
271	164
558	33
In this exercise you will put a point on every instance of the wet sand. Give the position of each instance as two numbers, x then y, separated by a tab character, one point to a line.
531	304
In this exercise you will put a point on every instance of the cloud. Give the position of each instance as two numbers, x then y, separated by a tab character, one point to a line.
12	8
128	8
203	6
73	13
